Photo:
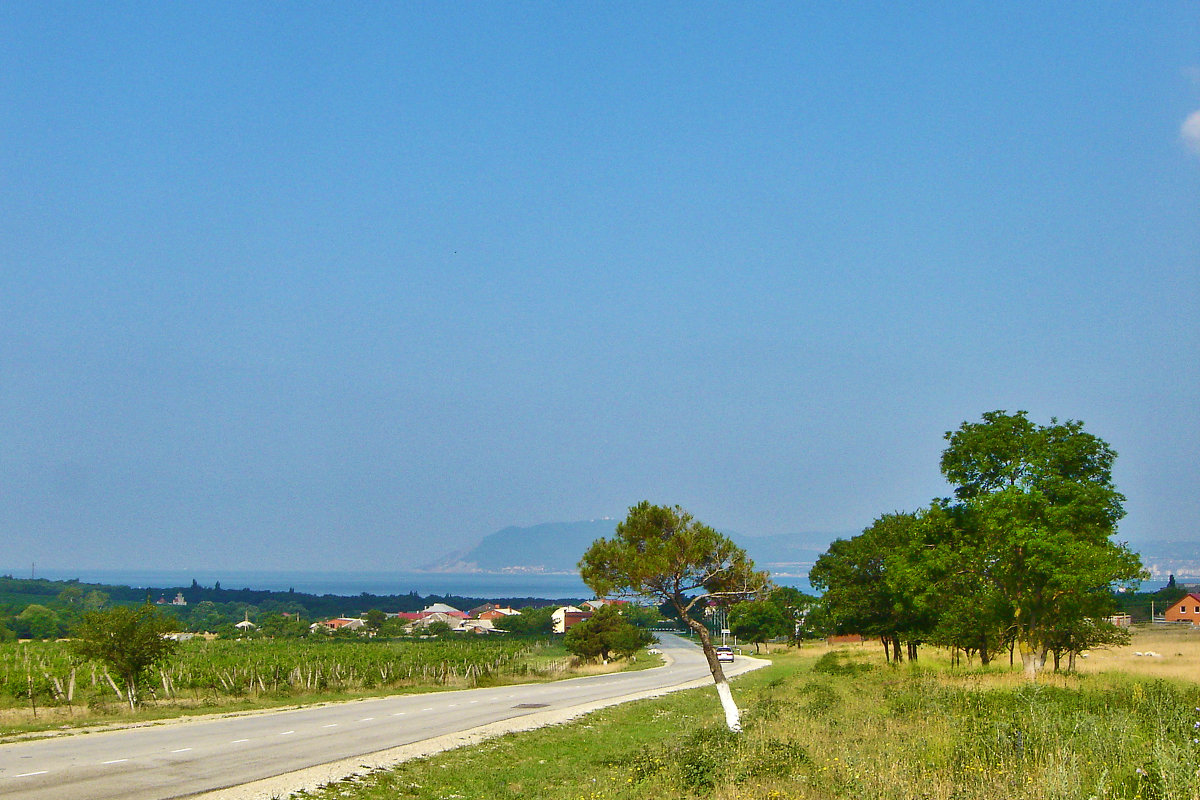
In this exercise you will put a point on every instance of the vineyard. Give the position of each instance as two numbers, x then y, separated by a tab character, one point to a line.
44	677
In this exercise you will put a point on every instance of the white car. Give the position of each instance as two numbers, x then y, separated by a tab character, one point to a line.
724	653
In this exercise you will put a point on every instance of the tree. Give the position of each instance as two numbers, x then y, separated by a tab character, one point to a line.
37	622
282	626
759	621
606	633
869	584
71	595
663	553
375	619
585	641
1073	636
1038	510
798	608
532	621
126	640
438	628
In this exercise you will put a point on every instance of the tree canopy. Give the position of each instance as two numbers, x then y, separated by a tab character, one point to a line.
605	634
126	640
759	621
1021	554
662	552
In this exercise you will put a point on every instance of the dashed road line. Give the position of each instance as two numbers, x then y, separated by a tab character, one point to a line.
366	719
287	733
239	741
330	725
31	774
115	761
181	750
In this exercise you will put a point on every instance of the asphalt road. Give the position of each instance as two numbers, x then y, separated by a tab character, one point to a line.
208	753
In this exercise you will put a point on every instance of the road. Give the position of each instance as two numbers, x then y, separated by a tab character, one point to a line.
204	754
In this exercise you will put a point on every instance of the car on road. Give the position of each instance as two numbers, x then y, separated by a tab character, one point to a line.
724	653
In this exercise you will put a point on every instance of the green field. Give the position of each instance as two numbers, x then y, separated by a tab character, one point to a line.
841	724
42	686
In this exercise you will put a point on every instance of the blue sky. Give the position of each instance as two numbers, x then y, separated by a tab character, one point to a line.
374	280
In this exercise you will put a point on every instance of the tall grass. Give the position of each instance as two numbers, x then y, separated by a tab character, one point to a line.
847	726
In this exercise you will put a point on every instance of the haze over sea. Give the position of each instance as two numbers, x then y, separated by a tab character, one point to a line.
469	584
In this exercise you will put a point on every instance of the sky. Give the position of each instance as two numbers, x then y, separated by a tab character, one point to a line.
351	285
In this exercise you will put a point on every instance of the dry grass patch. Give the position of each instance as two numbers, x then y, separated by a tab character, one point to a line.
1166	651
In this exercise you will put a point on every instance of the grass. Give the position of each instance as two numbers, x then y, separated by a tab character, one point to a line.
1177	650
826	724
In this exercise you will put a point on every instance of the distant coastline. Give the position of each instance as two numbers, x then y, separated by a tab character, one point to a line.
548	585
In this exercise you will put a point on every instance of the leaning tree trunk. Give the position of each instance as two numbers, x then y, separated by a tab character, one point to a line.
733	719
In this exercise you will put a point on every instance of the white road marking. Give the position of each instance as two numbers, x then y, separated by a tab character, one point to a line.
330	725
116	761
474	702
287	733
31	774
427	709
366	719
239	741
181	750
398	714
452	705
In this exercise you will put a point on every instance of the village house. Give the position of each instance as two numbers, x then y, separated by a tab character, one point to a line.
567	617
478	611
600	602
1185	610
497	613
428	618
340	623
442	608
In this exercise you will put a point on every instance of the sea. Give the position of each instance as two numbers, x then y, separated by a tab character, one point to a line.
547	585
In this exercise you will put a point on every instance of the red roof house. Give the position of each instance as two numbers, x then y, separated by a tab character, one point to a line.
1185	610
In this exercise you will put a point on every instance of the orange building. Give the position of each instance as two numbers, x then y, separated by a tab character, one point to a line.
1185	610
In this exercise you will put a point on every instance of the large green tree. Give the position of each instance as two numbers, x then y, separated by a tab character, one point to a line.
662	552
1039	509
126	640
868	584
759	621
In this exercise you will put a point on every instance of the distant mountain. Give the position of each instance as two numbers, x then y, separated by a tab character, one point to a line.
558	546
549	547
